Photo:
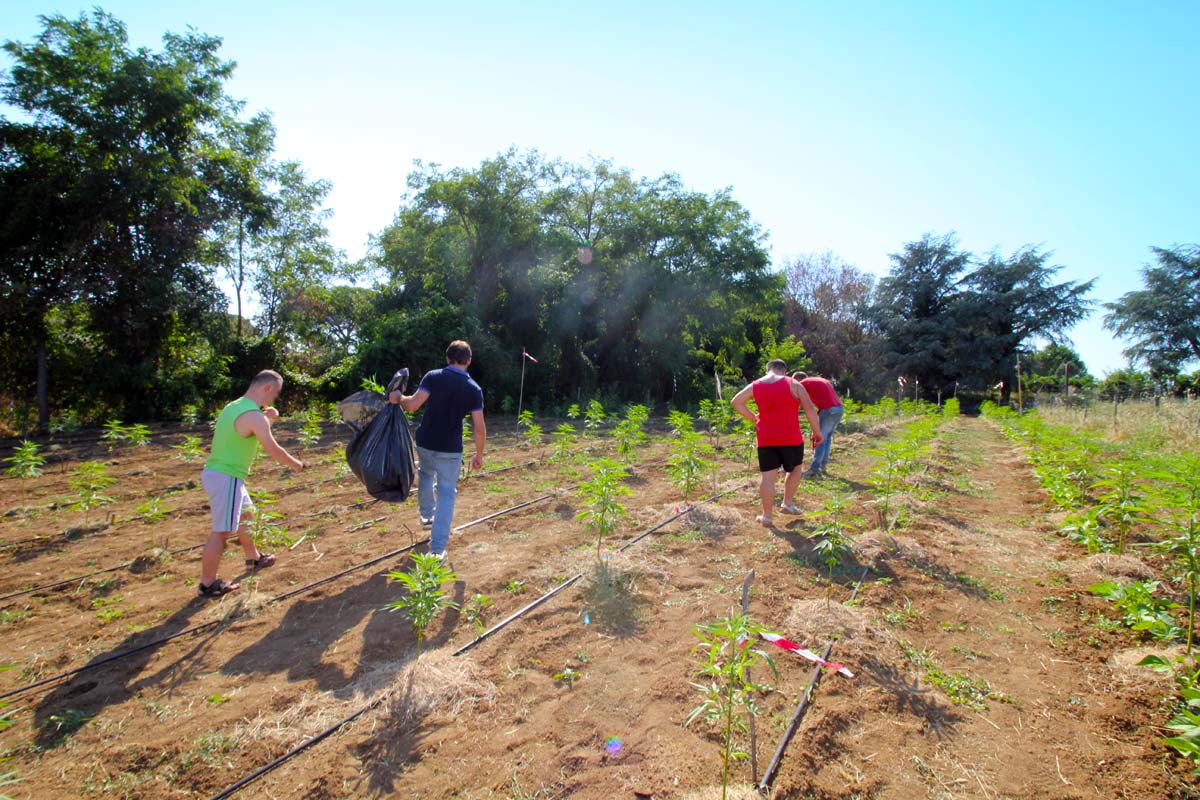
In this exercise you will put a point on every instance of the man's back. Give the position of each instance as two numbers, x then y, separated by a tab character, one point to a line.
452	395
821	392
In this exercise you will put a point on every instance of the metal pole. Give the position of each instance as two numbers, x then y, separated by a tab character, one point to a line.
521	396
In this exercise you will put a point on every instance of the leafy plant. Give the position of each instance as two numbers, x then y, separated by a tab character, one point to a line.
680	422
563	441
153	510
88	481
1120	505
629	432
603	511
515	587
310	431
593	417
266	533
1140	609
1186	721
717	415
426	597
189	415
832	534
67	422
525	419
726	658
689	462
1177	508
189	449
568	676
138	435
373	385
114	432
475	608
533	434
25	460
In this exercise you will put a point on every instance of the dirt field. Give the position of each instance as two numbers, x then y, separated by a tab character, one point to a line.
974	599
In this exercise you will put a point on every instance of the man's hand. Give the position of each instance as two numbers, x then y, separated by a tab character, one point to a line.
394	397
817	438
271	413
477	461
298	467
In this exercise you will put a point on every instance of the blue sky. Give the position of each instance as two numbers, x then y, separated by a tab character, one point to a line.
844	127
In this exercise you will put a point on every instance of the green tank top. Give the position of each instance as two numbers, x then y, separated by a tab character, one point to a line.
231	453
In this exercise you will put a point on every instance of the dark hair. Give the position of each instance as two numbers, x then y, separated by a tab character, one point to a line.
266	376
799	376
777	365
459	352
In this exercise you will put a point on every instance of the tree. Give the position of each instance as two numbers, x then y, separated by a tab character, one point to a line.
826	308
914	311
112	184
1162	319
1053	366
1007	303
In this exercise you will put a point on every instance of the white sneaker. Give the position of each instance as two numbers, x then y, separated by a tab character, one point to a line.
426	522
791	508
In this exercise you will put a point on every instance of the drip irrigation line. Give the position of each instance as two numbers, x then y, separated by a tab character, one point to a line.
332	729
768	778
494	629
277	598
569	581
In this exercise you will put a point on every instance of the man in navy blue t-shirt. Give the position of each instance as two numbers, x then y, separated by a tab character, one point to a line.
451	394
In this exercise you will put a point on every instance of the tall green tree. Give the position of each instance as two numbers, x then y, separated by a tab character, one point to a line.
1162	319
914	311
113	180
1007	303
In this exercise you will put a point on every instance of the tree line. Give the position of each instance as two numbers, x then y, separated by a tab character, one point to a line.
132	186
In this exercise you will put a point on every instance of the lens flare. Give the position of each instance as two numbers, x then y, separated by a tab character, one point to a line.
613	745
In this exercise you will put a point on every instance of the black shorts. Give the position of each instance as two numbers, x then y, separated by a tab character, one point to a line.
772	458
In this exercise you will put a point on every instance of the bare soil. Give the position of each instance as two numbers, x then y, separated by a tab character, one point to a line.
972	599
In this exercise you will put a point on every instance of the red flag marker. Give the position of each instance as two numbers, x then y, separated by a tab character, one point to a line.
531	358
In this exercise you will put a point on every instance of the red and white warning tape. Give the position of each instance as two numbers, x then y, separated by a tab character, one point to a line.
792	647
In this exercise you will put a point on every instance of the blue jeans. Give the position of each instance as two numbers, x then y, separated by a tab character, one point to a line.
828	420
438	472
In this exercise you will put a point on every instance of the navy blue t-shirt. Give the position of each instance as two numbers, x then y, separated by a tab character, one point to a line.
452	395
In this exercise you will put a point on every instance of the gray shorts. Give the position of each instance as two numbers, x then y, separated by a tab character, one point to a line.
228	498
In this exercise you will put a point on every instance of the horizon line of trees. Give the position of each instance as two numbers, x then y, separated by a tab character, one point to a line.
130	183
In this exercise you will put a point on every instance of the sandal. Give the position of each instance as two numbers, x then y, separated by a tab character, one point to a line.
218	588
765	521
263	561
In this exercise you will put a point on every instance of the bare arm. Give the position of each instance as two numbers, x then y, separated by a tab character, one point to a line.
810	411
256	422
410	402
480	430
740	401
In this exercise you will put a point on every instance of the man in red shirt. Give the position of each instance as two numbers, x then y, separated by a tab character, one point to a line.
777	427
829	406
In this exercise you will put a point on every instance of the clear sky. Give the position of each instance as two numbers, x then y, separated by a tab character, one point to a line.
851	127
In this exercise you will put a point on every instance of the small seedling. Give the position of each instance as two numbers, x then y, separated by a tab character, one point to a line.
475	608
114	431
189	450
138	435
88	481
567	676
515	587
153	510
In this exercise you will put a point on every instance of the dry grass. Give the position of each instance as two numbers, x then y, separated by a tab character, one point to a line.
1173	424
737	791
436	683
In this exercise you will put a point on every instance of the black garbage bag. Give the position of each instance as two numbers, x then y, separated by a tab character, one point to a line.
381	454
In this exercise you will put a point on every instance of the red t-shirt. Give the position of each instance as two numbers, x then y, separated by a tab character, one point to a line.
821	392
778	414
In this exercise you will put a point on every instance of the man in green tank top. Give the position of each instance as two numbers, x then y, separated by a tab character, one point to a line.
241	427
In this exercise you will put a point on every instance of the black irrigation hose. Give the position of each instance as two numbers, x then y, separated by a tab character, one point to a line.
488	633
768	778
263	770
332	729
277	598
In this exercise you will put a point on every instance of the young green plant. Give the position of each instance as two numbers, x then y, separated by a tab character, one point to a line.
426	598
603	511
726	656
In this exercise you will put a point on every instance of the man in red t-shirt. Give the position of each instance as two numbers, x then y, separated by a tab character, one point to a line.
777	427
829	407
